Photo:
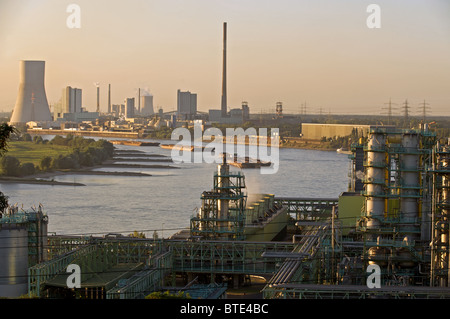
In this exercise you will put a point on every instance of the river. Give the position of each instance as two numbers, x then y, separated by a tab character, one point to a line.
166	200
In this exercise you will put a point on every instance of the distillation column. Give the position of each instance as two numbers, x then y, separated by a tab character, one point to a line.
440	243
445	207
223	183
375	180
410	186
375	191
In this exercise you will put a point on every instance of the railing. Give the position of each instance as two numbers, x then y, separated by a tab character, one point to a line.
144	282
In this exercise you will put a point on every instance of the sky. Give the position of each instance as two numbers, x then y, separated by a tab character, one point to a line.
316	52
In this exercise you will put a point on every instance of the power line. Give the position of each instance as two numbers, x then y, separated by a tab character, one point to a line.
424	109
389	110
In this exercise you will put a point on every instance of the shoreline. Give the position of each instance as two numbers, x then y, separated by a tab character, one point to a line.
133	137
32	180
40	178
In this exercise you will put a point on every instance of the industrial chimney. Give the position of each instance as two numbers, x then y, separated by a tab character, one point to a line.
224	72
31	103
109	98
98	98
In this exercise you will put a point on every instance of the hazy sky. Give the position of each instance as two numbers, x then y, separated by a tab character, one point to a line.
292	51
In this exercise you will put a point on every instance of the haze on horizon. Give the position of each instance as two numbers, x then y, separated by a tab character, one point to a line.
292	51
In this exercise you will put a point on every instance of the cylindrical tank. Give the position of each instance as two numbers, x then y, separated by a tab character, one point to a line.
223	182
375	179
445	204
249	215
31	103
256	210
13	259
410	182
271	200
262	207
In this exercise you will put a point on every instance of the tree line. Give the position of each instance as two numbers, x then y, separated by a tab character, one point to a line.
84	152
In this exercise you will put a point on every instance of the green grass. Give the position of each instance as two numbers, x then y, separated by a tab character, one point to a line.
29	152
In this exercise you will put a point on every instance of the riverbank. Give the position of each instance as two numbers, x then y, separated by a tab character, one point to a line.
286	142
34	180
45	178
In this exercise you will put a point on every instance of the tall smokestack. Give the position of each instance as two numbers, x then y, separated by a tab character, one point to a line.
109	98
224	72
98	99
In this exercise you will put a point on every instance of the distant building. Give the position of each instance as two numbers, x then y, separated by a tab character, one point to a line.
118	109
245	112
70	102
80	117
234	116
186	105
129	107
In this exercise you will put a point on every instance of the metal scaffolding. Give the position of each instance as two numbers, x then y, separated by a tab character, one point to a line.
222	214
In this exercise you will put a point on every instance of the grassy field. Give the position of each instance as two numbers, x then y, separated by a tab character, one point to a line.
29	152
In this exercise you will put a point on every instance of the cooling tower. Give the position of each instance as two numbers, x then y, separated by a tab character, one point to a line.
147	104
31	103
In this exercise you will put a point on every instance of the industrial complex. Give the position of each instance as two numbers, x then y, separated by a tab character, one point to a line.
393	216
385	236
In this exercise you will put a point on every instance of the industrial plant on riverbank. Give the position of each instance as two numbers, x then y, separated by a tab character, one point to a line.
394	215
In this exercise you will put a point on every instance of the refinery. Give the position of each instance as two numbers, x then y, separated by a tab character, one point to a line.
386	236
394	215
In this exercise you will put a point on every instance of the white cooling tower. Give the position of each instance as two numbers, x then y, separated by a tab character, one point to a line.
31	103
147	104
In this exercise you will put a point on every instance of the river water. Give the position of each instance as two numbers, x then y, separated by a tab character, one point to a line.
167	200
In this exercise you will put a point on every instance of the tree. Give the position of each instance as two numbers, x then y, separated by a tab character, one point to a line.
45	163
10	166
5	133
37	139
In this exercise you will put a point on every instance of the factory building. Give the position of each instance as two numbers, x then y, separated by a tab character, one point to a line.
129	107
31	103
70	102
234	116
186	105
118	109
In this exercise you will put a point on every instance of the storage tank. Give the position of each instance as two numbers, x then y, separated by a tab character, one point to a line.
375	179
13	259
249	215
256	211
410	183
